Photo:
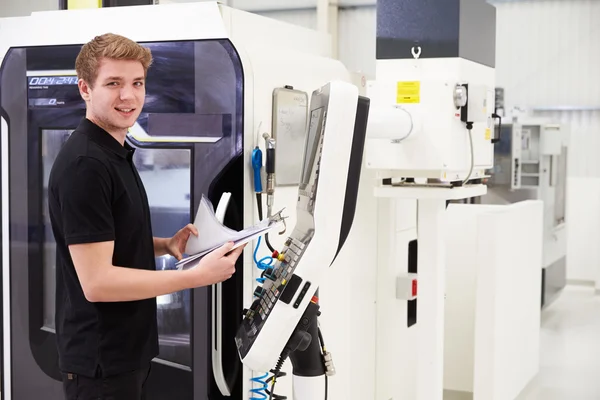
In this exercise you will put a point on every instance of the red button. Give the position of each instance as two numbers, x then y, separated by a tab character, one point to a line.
414	287
315	299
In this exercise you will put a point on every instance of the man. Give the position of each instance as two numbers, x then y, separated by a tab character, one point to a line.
106	278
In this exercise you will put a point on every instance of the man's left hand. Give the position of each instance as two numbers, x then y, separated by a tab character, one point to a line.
176	244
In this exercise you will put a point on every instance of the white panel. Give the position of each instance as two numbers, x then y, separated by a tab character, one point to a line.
493	289
357	33
397	353
304	18
348	305
13	8
509	252
461	284
583	213
547	55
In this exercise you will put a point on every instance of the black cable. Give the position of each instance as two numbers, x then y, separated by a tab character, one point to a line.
323	355
321	338
259	205
269	243
277	374
275	396
260	217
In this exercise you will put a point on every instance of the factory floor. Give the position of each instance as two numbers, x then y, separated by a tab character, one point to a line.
570	349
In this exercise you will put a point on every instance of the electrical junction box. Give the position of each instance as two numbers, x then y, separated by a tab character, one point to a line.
478	107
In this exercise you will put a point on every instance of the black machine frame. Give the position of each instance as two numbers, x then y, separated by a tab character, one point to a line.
165	380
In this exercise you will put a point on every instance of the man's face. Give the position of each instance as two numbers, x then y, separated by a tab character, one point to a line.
118	95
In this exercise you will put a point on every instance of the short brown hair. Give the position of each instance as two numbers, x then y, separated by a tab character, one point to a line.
111	46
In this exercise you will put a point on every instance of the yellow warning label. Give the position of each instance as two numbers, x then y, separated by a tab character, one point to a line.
408	92
488	134
82	4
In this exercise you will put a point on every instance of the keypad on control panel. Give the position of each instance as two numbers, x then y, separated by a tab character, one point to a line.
274	284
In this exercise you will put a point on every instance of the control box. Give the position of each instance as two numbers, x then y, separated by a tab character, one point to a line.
477	107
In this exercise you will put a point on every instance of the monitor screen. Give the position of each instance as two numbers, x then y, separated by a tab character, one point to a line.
312	143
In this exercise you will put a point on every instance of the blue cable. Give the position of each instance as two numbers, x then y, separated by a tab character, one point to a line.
262	391
263	263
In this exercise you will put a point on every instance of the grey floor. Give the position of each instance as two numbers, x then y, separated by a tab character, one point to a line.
570	349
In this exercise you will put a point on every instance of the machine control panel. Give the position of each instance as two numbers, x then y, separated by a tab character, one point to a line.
281	284
332	154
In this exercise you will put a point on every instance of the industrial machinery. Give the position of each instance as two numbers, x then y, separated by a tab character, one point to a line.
530	163
430	139
215	87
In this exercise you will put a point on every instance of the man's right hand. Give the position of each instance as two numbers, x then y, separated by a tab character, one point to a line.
217	266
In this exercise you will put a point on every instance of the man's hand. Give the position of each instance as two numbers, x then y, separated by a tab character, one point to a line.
217	266
174	246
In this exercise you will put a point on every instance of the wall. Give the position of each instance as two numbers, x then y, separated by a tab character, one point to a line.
21	8
357	32
548	57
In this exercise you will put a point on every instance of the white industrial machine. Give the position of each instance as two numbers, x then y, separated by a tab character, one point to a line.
216	89
429	139
530	162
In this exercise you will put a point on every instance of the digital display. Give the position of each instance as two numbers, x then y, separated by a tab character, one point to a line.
54	91
51	80
312	143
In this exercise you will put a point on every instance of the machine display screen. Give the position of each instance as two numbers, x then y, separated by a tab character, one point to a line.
51	80
53	91
312	143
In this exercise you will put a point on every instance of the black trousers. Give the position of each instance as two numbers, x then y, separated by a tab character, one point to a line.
127	386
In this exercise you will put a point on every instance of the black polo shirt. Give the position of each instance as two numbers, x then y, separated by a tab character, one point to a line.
95	194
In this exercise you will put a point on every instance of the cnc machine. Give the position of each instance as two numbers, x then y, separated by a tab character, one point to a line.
530	162
210	98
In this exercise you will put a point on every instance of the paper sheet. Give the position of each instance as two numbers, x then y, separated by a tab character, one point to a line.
212	234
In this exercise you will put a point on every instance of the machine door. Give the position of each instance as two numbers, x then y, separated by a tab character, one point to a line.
188	143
